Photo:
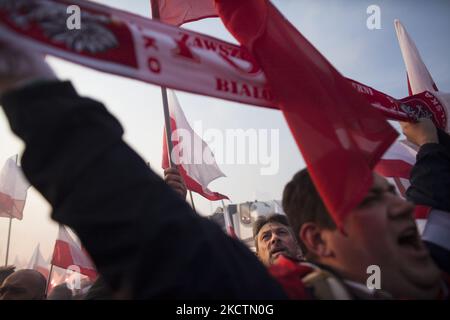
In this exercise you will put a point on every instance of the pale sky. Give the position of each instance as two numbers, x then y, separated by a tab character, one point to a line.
337	28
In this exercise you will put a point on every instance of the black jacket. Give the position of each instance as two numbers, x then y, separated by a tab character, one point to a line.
144	239
430	176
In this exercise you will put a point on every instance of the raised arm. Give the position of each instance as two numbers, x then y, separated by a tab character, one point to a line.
144	239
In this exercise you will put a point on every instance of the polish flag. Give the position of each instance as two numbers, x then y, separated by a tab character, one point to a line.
228	223
418	76
13	190
67	253
38	263
419	80
396	165
178	12
193	157
340	136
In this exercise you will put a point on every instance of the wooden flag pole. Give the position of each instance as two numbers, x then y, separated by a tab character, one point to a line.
9	229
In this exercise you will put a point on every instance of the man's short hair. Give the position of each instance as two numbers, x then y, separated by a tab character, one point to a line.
5	272
302	204
263	220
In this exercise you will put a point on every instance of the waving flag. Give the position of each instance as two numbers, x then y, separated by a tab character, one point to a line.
419	78
38	263
193	157
68	253
340	135
177	12
396	165
13	190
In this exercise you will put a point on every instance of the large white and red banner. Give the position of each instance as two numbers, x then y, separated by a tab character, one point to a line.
125	44
129	45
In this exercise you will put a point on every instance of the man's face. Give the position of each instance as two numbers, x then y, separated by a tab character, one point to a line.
382	232
22	285
275	239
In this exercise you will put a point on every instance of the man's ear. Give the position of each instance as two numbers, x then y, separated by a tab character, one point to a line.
313	238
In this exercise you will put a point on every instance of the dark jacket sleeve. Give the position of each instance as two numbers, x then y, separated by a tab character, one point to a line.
144	239
430	176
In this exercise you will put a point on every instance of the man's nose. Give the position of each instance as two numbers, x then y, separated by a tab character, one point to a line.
274	238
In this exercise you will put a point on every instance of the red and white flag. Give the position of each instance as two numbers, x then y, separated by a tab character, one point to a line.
340	135
229	226
67	254
397	162
13	190
191	154
419	78
177	12
396	165
38	263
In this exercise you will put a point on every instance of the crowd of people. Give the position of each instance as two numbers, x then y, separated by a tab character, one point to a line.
147	242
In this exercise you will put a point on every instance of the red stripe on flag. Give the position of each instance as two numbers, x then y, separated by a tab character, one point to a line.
62	257
193	185
6	203
422	212
393	168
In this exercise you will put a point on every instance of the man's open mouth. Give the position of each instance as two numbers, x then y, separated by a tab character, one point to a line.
277	251
410	240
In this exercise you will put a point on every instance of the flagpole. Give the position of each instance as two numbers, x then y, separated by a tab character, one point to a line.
49	279
155	16
9	229
9	239
192	201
